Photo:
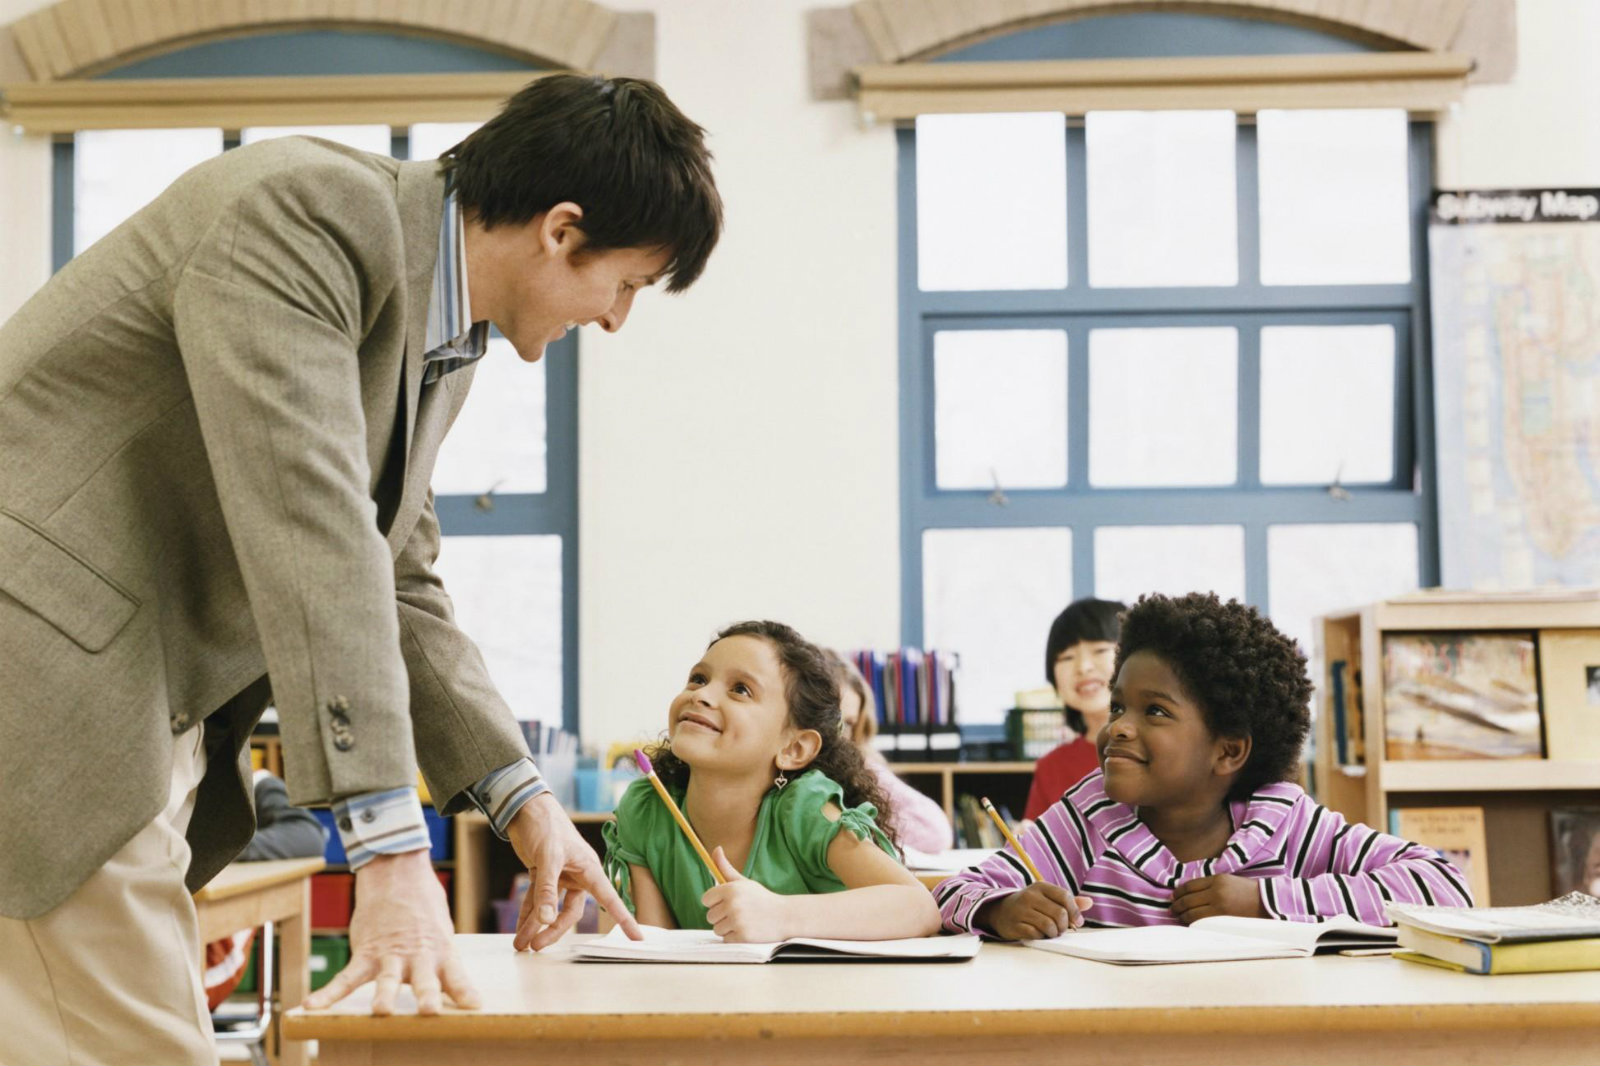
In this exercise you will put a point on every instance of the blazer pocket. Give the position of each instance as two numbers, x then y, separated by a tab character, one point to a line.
59	587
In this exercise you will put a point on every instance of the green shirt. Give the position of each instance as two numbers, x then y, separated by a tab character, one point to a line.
789	854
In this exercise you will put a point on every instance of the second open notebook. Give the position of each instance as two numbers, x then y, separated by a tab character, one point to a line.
702	945
1219	939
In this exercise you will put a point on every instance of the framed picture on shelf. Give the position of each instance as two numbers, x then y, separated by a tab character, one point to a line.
1569	684
1575	841
1461	696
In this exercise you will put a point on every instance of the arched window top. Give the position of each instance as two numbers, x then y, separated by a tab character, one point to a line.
74	39
901	30
880	35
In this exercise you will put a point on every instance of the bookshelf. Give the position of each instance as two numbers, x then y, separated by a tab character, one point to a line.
1516	794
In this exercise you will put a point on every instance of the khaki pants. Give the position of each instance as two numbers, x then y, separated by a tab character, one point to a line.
112	975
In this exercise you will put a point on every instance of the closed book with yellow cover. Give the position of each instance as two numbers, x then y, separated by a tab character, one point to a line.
1475	956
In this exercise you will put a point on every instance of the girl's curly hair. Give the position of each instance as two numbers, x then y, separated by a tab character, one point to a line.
811	690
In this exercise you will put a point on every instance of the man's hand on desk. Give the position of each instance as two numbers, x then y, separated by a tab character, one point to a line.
400	933
563	867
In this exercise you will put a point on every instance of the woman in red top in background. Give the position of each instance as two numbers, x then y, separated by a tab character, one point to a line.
1079	656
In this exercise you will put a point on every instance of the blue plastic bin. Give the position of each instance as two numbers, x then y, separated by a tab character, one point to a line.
438	834
333	851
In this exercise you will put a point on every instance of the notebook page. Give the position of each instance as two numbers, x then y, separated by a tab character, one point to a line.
1338	931
671	945
1151	944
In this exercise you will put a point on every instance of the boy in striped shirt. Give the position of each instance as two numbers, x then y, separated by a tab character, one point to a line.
1192	812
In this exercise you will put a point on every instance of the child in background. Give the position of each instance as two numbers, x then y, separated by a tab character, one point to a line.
1079	655
1192	813
757	760
918	822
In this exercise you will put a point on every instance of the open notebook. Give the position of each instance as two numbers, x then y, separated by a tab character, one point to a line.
702	945
1219	939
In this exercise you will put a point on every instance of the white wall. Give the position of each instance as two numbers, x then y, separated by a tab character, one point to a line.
738	443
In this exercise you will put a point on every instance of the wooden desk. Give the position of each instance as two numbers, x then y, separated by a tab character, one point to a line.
1009	1005
246	894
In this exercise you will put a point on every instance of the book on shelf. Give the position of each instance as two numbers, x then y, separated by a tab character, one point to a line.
1573	916
1456	833
915	694
1223	938
974	828
1481	957
1460	696
703	945
1575	841
1569	686
1344	697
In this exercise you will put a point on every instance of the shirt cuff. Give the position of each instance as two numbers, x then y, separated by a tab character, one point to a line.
501	794
380	823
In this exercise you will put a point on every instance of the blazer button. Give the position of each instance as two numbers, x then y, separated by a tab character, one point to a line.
343	742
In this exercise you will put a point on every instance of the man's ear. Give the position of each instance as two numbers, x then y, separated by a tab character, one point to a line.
800	749
1231	755
559	229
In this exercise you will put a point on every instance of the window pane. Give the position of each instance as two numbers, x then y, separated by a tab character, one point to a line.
1163	209
1130	560
1162	406
1000	408
1312	570
498	440
430	139
1334	205
507	594
990	595
1327	404
116	172
367	138
992	201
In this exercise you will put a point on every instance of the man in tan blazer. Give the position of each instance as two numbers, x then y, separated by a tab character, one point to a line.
217	428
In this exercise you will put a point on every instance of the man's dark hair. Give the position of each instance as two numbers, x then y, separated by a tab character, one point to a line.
616	147
1085	619
1248	679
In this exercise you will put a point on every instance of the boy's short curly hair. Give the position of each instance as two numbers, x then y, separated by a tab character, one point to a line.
1247	677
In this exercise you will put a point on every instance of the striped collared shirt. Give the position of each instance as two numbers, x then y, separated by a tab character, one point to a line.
1310	863
451	340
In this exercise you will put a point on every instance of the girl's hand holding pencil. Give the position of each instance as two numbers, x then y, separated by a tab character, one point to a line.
743	910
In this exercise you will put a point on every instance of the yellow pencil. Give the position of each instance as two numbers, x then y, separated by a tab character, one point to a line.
683	823
1005	831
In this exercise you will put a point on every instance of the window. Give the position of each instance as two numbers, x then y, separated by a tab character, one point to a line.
1157	351
506	477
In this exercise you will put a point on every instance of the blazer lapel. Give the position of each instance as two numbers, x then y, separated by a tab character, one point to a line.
421	204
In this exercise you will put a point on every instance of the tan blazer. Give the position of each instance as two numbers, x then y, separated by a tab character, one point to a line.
215	449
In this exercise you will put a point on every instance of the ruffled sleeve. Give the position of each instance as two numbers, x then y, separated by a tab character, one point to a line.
807	832
626	836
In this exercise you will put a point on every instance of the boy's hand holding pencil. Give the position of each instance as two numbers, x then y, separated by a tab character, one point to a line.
1041	911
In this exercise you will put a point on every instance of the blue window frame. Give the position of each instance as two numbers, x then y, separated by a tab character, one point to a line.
553	512
1407	497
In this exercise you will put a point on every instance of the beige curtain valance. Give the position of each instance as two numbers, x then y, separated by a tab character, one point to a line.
1423	83
233	103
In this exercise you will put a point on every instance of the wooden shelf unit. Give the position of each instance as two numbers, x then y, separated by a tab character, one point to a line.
1516	794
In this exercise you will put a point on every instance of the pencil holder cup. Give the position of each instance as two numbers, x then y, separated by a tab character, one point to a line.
560	771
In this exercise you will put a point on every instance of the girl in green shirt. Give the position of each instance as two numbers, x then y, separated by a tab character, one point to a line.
758	761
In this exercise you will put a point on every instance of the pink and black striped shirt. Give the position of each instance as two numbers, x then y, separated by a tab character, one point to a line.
1311	862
